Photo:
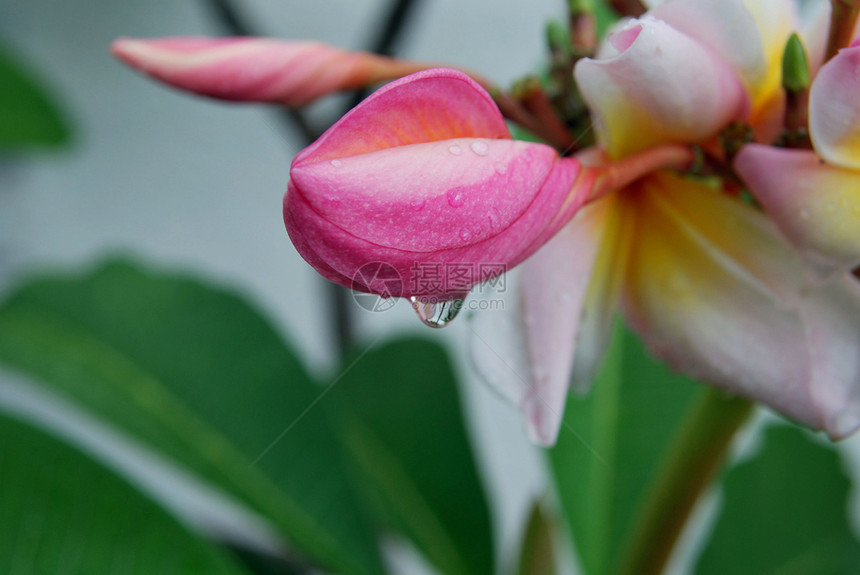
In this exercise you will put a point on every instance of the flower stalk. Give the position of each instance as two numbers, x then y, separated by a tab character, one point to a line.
692	461
843	18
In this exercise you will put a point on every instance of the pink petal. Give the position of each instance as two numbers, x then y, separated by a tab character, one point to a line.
429	106
567	332
664	87
834	109
832	317
549	331
419	175
255	69
716	306
725	26
463	225
816	205
751	37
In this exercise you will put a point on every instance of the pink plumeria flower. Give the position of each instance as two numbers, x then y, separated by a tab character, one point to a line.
424	172
293	73
706	280
814	196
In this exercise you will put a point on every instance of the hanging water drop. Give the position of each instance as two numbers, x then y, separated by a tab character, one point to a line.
435	313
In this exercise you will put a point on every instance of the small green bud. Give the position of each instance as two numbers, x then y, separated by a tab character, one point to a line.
576	7
557	37
795	66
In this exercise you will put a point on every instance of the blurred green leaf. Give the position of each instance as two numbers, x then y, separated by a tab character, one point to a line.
537	556
611	446
404	424
784	512
61	512
28	113
200	375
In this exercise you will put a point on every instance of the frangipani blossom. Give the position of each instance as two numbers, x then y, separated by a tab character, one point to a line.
705	279
425	172
814	196
293	73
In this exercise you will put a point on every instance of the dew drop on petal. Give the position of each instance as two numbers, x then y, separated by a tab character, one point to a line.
336	163
456	197
501	168
418	204
465	234
455	150
480	148
435	313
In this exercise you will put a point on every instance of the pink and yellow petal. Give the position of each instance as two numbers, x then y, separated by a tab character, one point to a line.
834	110
661	87
816	205
720	317
560	322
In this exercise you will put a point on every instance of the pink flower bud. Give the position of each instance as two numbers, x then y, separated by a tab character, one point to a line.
258	69
422	174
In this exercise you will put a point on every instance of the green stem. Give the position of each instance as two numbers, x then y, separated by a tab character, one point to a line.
691	462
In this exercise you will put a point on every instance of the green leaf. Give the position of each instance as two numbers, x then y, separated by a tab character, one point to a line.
198	374
537	556
63	513
404	424
28	114
784	512
611	445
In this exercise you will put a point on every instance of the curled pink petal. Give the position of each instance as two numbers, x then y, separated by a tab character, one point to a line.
293	73
663	87
423	172
834	109
816	205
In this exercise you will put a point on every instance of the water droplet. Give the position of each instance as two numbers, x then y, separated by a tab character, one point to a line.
336	163
480	148
436	313
805	214
456	197
465	234
418	204
455	150
501	168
